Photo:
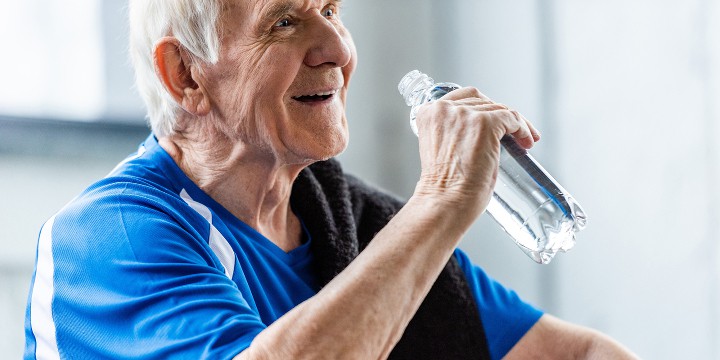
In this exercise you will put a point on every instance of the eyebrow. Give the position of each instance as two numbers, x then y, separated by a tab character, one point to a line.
277	10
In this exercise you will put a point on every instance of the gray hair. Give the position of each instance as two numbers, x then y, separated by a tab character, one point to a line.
194	23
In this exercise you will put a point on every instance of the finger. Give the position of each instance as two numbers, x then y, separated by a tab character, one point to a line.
512	125
465	93
533	130
473	103
526	135
480	106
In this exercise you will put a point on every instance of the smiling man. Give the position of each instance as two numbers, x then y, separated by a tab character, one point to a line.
232	233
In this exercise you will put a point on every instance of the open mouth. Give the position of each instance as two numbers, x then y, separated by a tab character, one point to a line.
310	98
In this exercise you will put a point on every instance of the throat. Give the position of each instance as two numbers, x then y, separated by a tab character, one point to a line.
287	238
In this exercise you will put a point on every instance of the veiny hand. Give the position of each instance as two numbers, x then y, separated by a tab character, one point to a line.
459	138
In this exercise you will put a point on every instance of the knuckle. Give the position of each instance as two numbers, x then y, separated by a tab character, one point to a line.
512	116
445	107
436	114
473	91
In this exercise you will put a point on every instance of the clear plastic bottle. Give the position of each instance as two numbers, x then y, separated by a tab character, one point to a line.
540	216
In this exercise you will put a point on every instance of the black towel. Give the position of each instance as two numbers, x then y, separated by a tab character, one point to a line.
343	215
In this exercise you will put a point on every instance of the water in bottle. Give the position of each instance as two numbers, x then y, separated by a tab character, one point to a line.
540	216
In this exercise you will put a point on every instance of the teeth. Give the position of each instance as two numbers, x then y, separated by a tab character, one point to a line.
326	93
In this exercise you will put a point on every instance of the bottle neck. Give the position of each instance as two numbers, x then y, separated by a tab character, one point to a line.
413	85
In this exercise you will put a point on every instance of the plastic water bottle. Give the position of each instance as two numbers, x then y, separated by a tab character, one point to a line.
540	216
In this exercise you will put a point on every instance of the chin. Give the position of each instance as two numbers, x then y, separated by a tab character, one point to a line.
315	139
328	151
335	152
321	149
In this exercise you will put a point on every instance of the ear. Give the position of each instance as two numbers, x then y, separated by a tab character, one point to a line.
180	76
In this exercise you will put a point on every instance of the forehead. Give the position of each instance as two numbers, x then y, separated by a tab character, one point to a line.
258	9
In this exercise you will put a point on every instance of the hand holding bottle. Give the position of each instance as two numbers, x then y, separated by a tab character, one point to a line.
459	138
465	147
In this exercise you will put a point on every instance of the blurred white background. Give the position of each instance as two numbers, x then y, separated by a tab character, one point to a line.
626	94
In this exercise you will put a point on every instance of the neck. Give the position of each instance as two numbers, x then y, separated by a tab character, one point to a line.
250	183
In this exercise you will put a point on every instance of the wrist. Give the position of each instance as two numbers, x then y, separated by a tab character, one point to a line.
454	204
460	194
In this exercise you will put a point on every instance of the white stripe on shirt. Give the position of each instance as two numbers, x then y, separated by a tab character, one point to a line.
217	241
41	320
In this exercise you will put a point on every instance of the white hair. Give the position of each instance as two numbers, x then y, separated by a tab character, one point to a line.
194	23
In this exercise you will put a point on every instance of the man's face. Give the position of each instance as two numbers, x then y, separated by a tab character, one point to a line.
282	78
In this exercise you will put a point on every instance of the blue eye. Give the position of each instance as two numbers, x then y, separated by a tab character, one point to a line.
329	12
283	23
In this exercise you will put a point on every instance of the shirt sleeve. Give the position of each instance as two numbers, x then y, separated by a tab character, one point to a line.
505	317
135	279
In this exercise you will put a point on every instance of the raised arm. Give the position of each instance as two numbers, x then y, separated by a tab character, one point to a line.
363	312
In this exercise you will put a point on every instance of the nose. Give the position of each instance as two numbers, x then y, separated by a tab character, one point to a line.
328	46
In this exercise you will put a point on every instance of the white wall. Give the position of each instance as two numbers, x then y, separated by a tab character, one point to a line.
627	95
637	100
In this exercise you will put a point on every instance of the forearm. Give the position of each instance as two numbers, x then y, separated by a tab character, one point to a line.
363	312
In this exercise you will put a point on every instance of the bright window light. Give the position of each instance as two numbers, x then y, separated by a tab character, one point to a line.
55	60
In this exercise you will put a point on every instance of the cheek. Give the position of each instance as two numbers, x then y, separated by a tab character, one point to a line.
249	91
262	69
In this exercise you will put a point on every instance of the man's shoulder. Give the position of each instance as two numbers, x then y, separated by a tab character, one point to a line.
121	211
121	192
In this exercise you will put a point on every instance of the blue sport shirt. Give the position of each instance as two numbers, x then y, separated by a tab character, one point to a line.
144	264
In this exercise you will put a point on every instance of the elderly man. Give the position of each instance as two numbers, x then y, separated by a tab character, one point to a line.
231	235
